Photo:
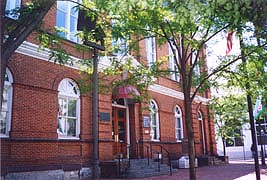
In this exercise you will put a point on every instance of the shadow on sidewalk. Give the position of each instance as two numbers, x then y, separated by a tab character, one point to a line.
235	170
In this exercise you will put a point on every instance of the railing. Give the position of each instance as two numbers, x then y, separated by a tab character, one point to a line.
122	164
147	153
161	152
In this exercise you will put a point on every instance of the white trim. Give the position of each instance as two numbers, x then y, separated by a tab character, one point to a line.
33	50
68	16
151	50
172	63
70	96
200	118
12	5
9	87
176	115
119	106
173	93
166	91
157	125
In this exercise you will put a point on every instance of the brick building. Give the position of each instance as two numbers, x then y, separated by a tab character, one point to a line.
46	122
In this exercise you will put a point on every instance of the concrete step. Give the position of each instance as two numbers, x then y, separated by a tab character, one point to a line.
139	168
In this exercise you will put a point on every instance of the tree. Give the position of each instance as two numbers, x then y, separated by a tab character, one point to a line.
185	25
229	116
14	32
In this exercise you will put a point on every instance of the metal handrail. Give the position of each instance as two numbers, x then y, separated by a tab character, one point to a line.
147	153
168	155
129	157
160	161
123	147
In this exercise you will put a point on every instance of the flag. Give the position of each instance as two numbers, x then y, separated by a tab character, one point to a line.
229	42
258	109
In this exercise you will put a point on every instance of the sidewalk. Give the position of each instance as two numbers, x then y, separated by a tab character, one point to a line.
235	170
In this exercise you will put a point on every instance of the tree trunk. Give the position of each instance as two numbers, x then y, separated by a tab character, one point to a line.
3	64
224	150
190	132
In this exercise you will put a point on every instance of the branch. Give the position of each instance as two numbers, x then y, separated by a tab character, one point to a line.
220	68
24	34
172	48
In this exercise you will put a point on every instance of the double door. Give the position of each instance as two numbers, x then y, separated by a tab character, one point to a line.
119	134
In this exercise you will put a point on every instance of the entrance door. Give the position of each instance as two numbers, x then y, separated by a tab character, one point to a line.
119	134
202	133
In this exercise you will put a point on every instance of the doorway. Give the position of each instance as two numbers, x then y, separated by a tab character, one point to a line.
202	132
119	130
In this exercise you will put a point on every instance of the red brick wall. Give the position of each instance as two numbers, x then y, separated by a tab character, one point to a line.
33	138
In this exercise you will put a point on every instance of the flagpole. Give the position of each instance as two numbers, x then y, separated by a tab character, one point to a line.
251	120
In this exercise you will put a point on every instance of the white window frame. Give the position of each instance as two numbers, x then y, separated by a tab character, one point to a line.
151	50
197	67
173	66
200	118
178	118
72	36
67	92
154	117
234	139
9	95
12	5
120	43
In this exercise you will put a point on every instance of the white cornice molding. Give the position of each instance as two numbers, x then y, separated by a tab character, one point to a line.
166	91
33	50
173	93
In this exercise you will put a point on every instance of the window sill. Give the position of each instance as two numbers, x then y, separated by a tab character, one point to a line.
4	136
68	138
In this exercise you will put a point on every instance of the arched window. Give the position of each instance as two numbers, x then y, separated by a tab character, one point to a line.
202	130
178	123
5	116
154	121
199	116
69	109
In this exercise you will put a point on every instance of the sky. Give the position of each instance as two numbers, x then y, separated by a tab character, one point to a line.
216	50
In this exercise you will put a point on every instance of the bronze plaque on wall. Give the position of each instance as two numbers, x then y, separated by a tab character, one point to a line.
104	116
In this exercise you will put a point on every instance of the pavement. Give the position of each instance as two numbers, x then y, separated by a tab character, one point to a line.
235	170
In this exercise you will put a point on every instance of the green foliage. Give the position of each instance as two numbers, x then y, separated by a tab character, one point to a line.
52	42
135	74
230	113
252	72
